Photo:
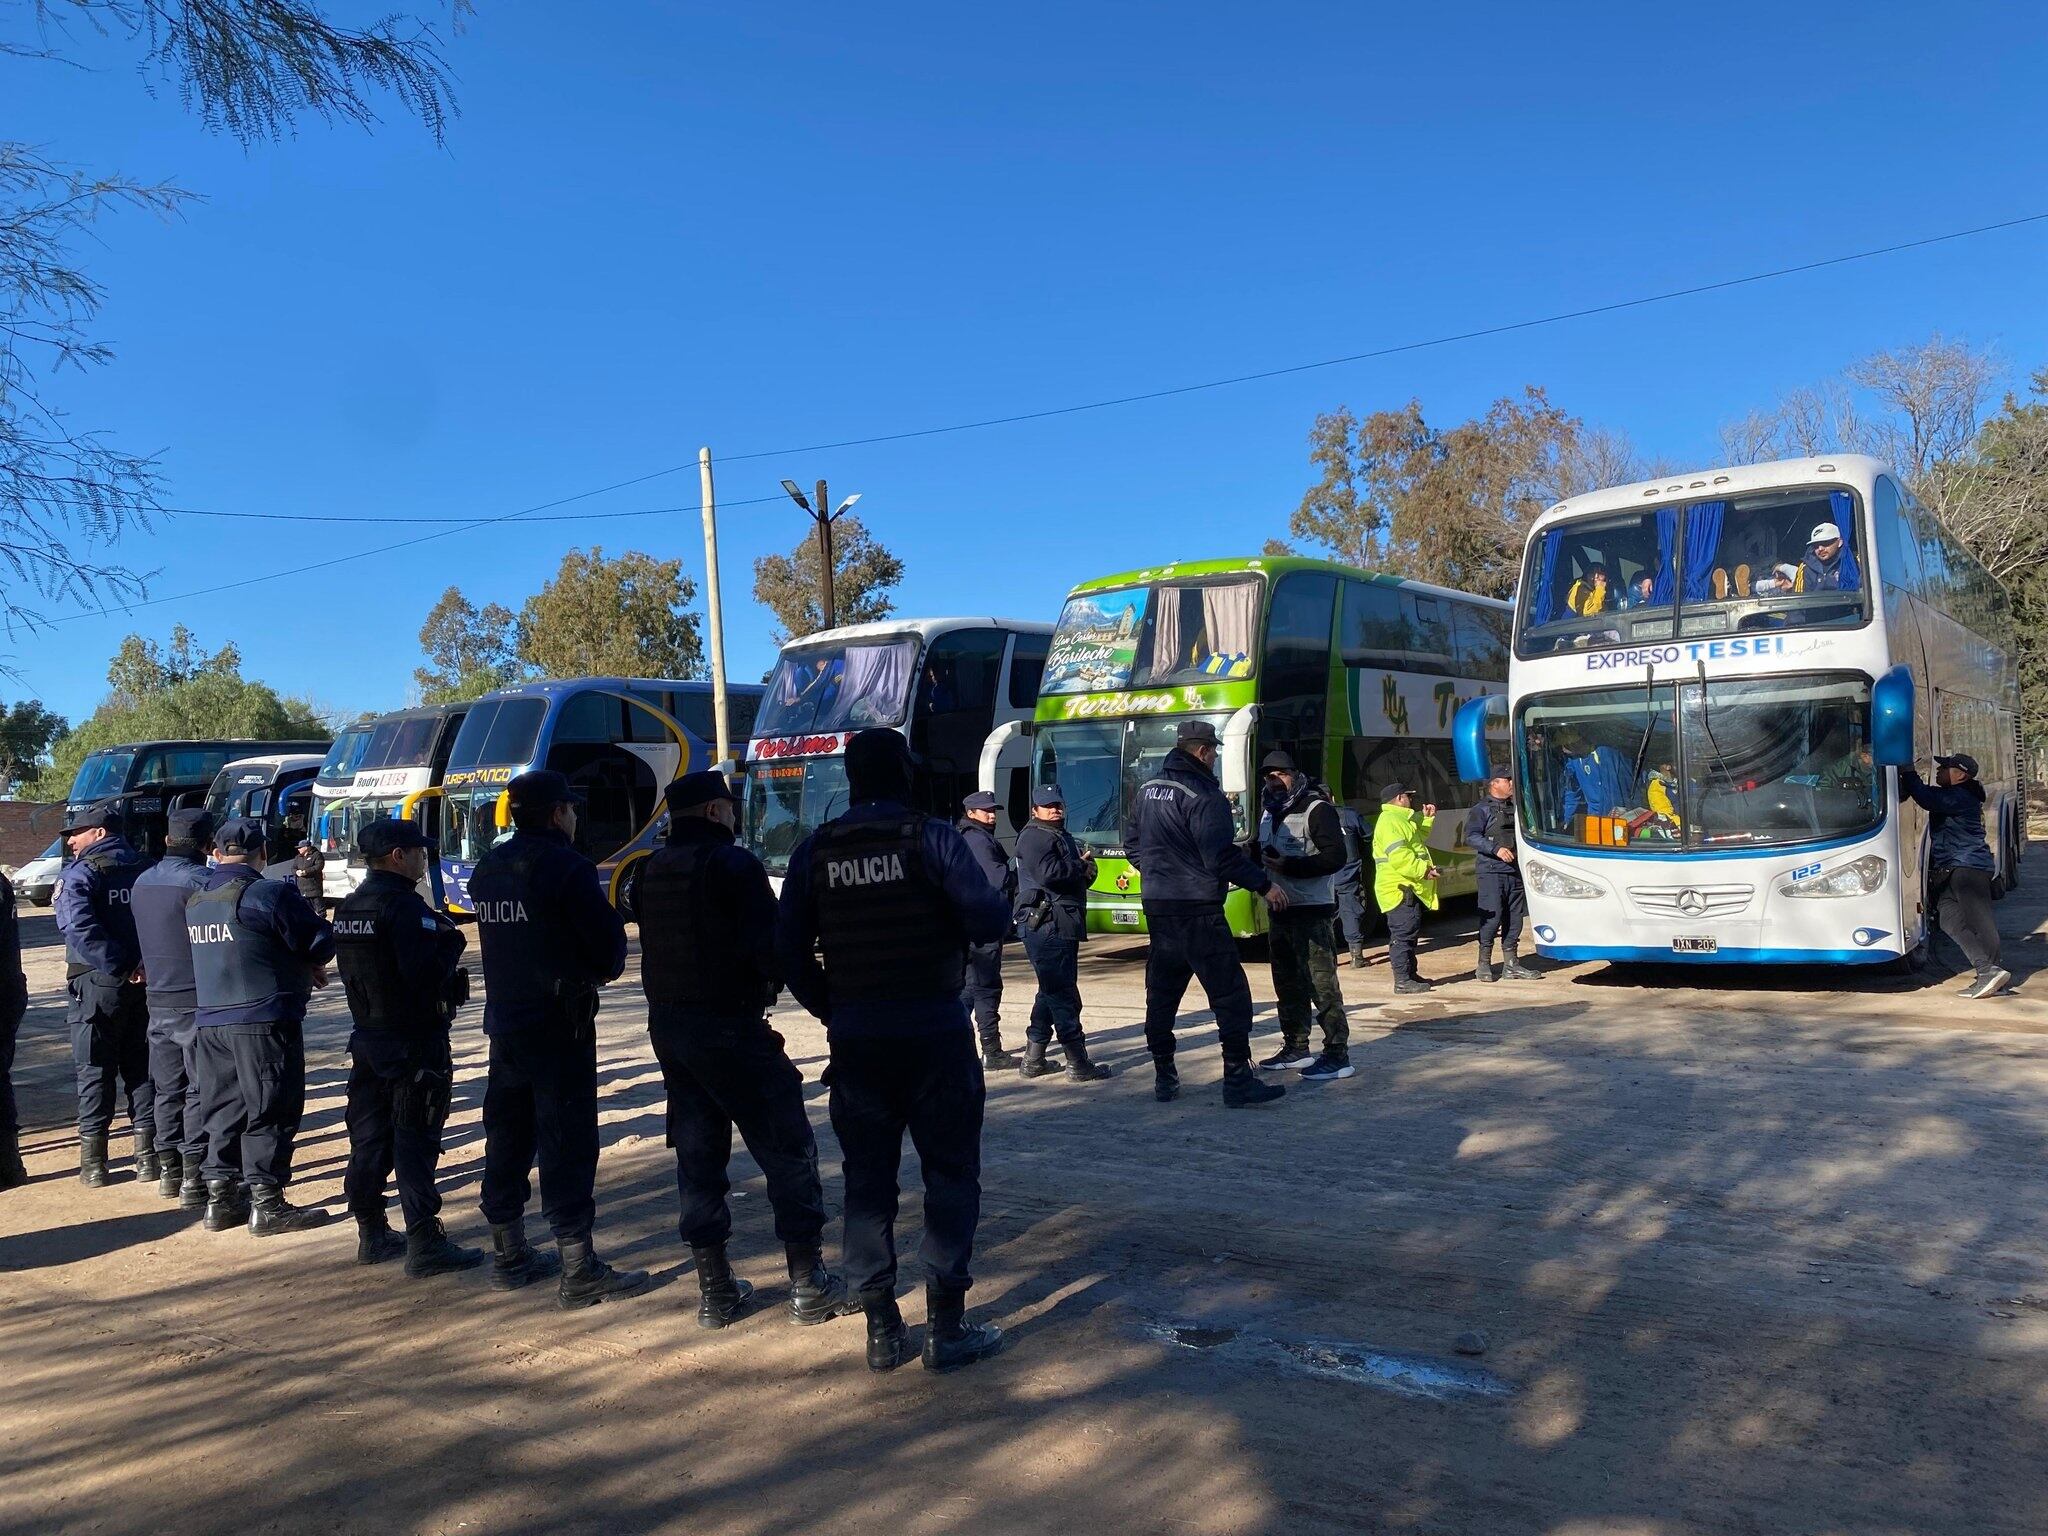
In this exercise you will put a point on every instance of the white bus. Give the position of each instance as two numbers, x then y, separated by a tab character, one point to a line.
1709	711
275	788
389	766
945	684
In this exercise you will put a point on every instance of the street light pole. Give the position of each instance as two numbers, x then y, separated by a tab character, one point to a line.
824	514
713	613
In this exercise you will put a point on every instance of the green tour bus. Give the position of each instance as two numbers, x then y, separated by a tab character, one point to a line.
1357	675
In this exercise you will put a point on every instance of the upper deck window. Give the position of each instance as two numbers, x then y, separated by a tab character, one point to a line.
1198	630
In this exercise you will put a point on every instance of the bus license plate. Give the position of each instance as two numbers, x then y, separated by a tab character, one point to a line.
1695	946
1124	918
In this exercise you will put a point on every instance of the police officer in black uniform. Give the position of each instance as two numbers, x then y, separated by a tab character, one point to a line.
707	962
309	867
1182	842
550	939
109	1012
259	952
400	965
891	899
984	991
1053	876
13	1005
1490	834
158	901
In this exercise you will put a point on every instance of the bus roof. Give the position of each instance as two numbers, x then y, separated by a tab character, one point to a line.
923	628
155	745
554	687
1732	480
1271	565
276	762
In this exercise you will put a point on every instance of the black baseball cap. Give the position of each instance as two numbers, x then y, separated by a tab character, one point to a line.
538	790
699	788
1048	794
239	834
1961	760
193	825
382	838
1199	732
1276	759
980	800
101	813
1394	792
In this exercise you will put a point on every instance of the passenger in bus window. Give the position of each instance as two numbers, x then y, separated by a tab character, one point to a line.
1828	566
1640	591
1590	593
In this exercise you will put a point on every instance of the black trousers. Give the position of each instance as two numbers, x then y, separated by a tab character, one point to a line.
174	1081
380	1063
1196	944
252	1093
1502	906
10	1031
1404	926
727	1073
1962	903
930	1086
540	1102
1056	1008
1351	916
110	1047
983	993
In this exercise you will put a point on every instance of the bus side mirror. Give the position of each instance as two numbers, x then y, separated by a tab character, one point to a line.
1891	718
1468	735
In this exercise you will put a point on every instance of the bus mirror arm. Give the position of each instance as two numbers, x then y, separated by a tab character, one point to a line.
999	740
1468	736
1235	759
1891	718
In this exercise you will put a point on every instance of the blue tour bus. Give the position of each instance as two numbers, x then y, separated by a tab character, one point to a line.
619	740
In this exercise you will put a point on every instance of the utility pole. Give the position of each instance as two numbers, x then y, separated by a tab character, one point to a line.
828	606
713	612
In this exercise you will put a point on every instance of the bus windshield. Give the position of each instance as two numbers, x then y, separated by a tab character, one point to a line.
1738	763
102	774
839	687
787	802
1773	560
1169	632
342	758
499	732
1099	766
469	822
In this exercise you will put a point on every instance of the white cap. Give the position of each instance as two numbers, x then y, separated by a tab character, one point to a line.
1823	533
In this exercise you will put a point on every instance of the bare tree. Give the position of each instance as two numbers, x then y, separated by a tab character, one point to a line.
1934	395
1595	459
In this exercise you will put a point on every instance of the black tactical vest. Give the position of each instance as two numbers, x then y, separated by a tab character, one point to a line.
118	867
675	966
886	927
522	954
380	995
234	965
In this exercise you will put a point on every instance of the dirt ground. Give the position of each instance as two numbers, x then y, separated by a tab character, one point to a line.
1746	1256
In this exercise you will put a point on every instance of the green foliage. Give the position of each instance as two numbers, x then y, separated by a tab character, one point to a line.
141	669
469	650
26	731
623	617
864	576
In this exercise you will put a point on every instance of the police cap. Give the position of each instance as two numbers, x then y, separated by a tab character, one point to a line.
538	790
193	825
695	789
101	813
388	835
1196	733
980	800
239	834
1048	794
1394	792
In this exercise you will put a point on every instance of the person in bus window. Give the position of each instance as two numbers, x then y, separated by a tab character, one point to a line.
1595	780
1590	594
1961	866
1640	590
1829	566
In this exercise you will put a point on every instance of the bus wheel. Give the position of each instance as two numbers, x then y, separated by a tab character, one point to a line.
1914	960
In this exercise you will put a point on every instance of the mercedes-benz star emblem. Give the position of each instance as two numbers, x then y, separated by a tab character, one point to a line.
1692	903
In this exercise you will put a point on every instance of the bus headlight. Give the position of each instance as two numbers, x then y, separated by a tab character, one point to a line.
1546	881
1859	877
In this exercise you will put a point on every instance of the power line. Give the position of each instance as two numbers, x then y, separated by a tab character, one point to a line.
393	522
1397	349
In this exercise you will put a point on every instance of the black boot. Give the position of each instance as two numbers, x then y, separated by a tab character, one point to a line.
994	1058
1242	1086
171	1175
721	1295
92	1159
950	1341
192	1187
1035	1064
227	1204
1516	971
1358	957
270	1213
428	1251
376	1243
147	1164
513	1263
1484	971
587	1279
1080	1069
1165	1079
13	1172
888	1339
816	1295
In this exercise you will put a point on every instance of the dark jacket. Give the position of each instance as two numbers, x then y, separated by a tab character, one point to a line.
426	948
158	899
13	980
1490	827
274	907
92	908
1050	861
738	909
307	870
989	853
1352	826
1955	832
547	935
1837	575
1182	842
984	919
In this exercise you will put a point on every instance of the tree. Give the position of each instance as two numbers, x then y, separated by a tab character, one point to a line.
249	68
620	618
864	575
26	731
141	669
469	650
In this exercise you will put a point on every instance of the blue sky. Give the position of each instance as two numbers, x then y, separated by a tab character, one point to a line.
663	226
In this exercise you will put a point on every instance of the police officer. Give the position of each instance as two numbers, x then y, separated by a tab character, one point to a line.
1490	834
13	1005
550	939
1180	840
984	991
258	954
109	1012
1350	891
158	901
707	962
1302	847
308	870
891	900
1053	876
400	965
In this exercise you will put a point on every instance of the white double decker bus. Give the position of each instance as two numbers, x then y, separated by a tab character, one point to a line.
1715	681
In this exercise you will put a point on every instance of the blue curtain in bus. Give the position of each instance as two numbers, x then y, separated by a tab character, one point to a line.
1666	580
1843	507
1702	539
1543	604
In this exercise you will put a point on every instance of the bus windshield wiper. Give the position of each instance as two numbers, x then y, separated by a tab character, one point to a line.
1649	721
1707	725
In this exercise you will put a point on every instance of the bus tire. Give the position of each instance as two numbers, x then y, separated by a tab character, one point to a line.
1914	960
